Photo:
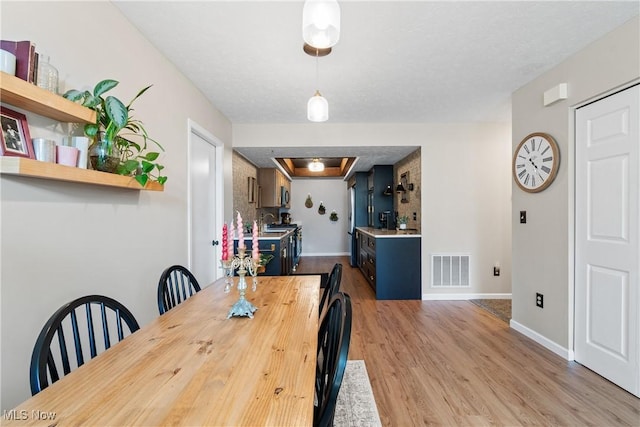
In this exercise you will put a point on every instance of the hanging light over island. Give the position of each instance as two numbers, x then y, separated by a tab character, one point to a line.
321	23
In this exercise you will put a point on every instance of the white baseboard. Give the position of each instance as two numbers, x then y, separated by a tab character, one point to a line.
543	341
458	297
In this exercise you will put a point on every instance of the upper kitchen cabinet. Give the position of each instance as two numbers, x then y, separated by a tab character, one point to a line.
380	200
275	188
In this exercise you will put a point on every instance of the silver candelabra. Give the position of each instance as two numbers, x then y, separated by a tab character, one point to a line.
244	264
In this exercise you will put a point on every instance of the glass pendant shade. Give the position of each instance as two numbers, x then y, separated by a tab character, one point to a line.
316	166
321	23
317	108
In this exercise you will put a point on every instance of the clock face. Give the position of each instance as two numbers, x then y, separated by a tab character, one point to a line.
535	162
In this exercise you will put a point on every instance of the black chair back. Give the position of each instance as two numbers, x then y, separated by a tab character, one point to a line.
332	288
82	319
176	285
334	336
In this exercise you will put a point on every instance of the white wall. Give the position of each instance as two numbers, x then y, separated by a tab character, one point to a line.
543	248
320	236
64	240
466	187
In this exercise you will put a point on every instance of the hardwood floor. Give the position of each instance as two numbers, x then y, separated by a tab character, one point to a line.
452	363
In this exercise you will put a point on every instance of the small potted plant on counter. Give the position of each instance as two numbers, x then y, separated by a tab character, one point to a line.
114	150
402	222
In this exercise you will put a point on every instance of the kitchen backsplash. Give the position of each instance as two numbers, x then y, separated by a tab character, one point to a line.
242	171
411	164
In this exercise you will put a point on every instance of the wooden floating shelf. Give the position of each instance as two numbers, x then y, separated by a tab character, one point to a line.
20	166
30	97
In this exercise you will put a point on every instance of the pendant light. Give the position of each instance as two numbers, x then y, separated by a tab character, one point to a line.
317	107
316	165
321	23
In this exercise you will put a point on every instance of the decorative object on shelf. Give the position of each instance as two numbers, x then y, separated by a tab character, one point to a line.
7	62
47	74
243	263
25	53
66	155
118	125
44	149
536	162
402	222
252	189
321	209
308	203
15	139
321	23
333	216
104	154
403	186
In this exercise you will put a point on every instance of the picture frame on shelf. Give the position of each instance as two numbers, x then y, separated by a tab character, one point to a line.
252	189
15	139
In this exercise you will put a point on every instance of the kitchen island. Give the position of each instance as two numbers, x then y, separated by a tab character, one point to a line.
280	244
390	260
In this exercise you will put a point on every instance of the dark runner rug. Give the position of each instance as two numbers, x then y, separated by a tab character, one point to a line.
501	308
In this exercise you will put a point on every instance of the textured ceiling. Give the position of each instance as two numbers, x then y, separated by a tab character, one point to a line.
396	61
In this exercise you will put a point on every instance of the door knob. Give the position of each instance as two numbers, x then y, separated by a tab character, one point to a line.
214	243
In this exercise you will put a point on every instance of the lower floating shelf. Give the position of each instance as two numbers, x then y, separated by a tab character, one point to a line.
20	166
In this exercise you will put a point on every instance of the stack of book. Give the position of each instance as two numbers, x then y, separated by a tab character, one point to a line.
26	58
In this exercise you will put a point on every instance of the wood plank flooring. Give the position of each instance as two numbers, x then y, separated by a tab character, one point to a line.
451	363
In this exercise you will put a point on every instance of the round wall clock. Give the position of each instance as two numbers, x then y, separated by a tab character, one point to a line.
536	162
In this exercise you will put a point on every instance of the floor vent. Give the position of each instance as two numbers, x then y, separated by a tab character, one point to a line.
450	270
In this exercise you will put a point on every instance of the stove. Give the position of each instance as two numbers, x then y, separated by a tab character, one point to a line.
282	226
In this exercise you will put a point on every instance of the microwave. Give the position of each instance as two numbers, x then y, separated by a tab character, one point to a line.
284	196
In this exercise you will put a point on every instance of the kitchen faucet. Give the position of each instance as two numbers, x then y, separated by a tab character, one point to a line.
262	215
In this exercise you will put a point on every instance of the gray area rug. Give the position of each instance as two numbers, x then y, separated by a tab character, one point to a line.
501	308
356	405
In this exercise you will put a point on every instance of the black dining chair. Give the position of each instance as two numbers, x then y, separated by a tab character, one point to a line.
332	288
82	328
176	284
334	336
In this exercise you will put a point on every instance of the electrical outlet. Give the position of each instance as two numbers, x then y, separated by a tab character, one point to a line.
523	217
496	271
415	216
539	300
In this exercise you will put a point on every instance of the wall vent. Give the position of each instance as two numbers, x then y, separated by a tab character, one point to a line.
450	270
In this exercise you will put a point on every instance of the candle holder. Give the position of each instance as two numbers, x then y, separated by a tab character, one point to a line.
244	265
227	270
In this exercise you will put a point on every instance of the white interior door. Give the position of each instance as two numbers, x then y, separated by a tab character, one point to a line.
205	204
607	323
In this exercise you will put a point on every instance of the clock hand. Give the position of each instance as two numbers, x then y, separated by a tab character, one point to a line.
534	165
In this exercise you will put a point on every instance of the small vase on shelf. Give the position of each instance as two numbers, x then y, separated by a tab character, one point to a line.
104	154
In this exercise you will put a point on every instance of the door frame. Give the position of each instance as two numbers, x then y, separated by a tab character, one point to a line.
572	208
194	128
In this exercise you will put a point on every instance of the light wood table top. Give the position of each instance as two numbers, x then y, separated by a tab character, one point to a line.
194	367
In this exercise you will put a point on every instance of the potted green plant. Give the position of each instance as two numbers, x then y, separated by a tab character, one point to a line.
120	140
402	222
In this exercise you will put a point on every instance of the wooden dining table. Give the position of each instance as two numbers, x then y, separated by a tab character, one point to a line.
194	367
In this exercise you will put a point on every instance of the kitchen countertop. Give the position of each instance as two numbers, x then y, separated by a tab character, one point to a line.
273	235
384	233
